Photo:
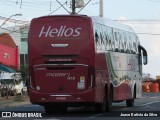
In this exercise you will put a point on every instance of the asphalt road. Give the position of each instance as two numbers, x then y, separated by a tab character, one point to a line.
147	108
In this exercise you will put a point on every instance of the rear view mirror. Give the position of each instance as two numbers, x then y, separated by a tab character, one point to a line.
143	53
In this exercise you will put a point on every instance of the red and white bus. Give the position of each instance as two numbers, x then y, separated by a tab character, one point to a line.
76	60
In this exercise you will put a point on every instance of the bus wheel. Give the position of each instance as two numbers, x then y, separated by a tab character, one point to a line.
101	107
109	102
130	102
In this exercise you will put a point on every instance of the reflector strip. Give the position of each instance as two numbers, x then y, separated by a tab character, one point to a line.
60	95
60	65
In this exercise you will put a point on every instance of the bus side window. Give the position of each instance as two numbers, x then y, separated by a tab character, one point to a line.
106	41
128	44
101	41
121	42
97	40
116	41
96	36
125	42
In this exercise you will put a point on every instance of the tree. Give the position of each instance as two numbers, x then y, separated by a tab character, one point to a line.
9	84
24	73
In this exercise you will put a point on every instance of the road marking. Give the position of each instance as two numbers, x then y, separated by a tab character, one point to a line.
150	103
126	108
150	97
95	116
48	119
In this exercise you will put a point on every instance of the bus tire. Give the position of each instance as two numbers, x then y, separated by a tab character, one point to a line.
109	101
130	102
101	107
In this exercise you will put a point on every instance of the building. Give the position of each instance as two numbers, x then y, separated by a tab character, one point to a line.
9	53
13	54
24	44
19	34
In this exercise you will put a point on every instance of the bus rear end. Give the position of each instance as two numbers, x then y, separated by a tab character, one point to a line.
61	61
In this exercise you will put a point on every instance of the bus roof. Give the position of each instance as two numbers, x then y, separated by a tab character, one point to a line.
96	19
50	16
111	23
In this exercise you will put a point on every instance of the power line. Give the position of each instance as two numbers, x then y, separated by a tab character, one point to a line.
32	6
148	33
55	10
140	20
154	0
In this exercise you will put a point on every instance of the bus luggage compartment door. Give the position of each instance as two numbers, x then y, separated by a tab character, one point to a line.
60	78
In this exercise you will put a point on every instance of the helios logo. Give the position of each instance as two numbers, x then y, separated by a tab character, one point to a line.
51	31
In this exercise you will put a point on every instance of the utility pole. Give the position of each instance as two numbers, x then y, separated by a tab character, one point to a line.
101	8
73	6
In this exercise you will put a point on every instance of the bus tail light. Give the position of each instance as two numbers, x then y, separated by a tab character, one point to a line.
91	78
91	82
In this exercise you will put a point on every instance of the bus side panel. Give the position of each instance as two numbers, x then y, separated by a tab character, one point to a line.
102	76
125	74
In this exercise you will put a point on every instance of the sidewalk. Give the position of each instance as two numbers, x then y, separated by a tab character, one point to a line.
13	101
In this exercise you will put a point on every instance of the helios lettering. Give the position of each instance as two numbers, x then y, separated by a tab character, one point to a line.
59	32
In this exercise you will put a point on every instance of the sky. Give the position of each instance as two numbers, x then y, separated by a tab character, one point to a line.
142	15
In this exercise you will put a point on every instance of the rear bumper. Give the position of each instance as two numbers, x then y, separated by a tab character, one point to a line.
69	99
